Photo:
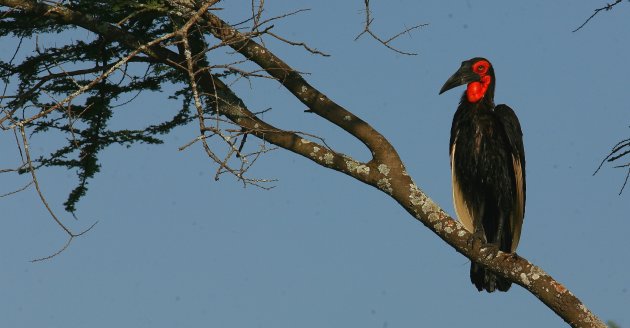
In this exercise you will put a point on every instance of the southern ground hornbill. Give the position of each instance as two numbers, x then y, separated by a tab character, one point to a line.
487	167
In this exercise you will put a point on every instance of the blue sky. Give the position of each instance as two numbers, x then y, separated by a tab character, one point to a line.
174	248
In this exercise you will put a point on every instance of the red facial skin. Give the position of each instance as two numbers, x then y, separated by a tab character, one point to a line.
476	90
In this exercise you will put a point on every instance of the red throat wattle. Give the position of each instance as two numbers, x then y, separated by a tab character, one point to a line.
477	90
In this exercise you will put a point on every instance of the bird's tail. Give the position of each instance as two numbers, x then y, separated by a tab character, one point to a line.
487	280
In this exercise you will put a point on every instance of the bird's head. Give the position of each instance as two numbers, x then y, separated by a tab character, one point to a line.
479	75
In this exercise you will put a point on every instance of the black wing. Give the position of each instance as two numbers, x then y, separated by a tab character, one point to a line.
512	129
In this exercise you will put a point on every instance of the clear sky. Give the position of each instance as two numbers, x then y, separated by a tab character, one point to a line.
174	248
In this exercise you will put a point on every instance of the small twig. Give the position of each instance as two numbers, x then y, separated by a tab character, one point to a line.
64	246
17	190
244	132
6	85
263	149
192	69
132	15
615	149
301	44
262	111
608	7
256	16
17	142
367	30
31	169
240	148
257	13
34	177
625	181
295	12
615	154
223	164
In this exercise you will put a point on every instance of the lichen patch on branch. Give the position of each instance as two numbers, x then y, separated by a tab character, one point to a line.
385	185
354	166
328	158
383	169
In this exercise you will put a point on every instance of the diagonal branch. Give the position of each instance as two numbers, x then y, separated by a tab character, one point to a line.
314	99
607	7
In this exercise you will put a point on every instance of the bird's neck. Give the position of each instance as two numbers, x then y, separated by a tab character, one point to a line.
486	102
478	90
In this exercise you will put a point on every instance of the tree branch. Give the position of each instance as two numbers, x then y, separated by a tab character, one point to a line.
607	7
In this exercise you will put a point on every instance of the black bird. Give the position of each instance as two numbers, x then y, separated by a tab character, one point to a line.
487	167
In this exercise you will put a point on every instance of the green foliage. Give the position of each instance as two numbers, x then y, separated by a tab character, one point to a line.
612	324
49	74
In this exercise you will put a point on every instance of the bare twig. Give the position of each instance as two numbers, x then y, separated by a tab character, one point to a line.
621	149
31	169
625	181
29	162
301	44
258	23
65	246
607	7
295	12
6	85
386	42
17	190
192	70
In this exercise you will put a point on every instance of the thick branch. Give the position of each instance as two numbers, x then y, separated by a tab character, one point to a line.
315	100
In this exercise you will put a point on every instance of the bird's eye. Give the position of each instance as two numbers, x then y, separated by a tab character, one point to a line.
481	67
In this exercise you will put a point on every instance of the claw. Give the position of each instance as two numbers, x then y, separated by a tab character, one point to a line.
512	257
476	240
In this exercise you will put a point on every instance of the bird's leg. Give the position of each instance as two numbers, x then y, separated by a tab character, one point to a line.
512	256
478	238
503	238
499	238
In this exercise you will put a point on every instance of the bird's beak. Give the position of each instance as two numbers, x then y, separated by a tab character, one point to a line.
464	75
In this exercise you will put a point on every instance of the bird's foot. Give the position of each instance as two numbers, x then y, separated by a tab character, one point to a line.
512	257
476	240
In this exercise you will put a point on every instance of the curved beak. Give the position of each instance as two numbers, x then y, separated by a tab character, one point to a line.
464	75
